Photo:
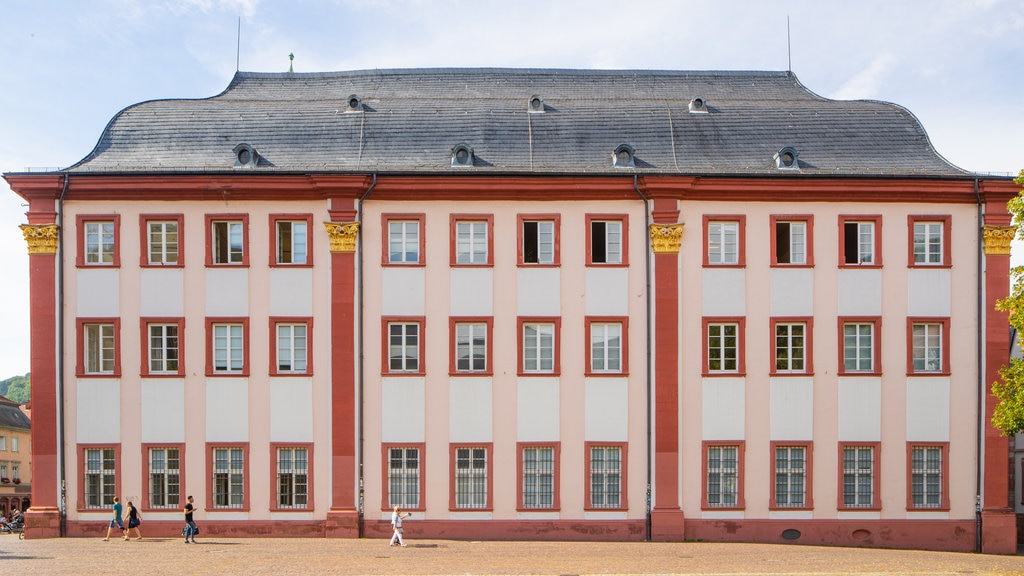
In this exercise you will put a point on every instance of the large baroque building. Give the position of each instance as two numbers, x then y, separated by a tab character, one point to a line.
535	304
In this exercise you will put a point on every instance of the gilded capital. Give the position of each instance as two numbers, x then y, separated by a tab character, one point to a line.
997	239
41	238
666	238
342	235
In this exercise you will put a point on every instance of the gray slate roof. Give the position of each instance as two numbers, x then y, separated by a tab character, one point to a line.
412	119
11	415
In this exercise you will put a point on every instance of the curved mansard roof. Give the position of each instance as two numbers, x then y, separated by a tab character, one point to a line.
409	121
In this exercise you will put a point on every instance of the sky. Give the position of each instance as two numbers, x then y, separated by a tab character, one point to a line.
69	66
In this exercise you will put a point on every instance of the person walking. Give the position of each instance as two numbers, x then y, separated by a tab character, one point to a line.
116	521
190	525
134	520
396	525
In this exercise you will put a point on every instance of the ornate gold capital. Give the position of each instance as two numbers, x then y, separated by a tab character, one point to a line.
41	238
343	235
997	239
666	238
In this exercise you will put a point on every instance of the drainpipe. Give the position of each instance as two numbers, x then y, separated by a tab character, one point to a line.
60	358
647	348
982	388
359	360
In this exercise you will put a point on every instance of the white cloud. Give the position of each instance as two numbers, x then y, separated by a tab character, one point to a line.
867	83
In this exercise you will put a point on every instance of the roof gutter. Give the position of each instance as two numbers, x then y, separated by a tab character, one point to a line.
982	388
62	488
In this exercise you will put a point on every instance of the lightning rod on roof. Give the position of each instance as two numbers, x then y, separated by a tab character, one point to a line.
291	58
238	43
789	48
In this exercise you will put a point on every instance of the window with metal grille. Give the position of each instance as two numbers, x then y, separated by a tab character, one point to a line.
927	347
471	243
403	242
292	477
164	478
292	243
100	477
162	241
228	477
228	347
723	347
99	243
606	347
538	347
926	477
605	477
538	477
163	348
403	347
790	476
790	342
722	476
471	347
723	243
404	477
471	478
928	243
606	242
858	477
292	346
99	348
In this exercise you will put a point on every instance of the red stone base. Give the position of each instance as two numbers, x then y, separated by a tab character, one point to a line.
998	532
42	522
342	524
667	525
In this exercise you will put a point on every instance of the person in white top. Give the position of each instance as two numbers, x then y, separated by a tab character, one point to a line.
396	525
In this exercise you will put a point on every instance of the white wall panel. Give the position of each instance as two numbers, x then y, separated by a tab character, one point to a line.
97	293
928	292
537	410
860	409
227	410
792	408
227	292
402	291
607	291
607	410
792	292
162	292
291	291
860	292
723	403
403	410
163	410
99	411
472	292
724	292
928	409
291	409
471	414
538	291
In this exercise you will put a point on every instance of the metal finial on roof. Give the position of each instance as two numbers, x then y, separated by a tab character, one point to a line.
291	58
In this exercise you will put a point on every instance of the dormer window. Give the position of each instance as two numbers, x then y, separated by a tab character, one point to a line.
354	104
462	156
246	156
698	106
786	159
536	105
623	157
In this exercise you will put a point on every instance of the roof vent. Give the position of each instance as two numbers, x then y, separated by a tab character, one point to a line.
246	156
623	157
462	156
698	106
354	104
536	104
787	159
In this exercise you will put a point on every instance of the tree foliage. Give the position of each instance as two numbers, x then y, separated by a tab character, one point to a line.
1008	415
17	388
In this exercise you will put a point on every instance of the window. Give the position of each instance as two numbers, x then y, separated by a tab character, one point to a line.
403	345
15	471
98	347
860	481
538	345
859	241
290	338
606	476
472	476
928	351
229	464
161	338
164	481
292	242
404	477
538	485
792	479
928	472
538	239
860	345
471	345
14	443
99	465
404	242
723	350
473	244
929	241
292	478
606	345
792	240
162	238
607	239
98	242
3	443
723	477
792	342
724	240
227	239
227	346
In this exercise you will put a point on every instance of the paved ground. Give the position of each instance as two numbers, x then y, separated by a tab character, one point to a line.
280	556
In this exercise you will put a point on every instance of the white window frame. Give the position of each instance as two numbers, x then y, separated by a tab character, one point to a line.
99	477
723	474
718	347
606	347
539	244
926	483
858	469
405	471
471	485
408	346
785	347
292	241
538	479
791	475
159	242
471	347
99	347
539	347
609	239
164	358
606	477
164	478
927	346
854	358
228	346
404	241
99	243
291	348
864	232
228	477
795	241
471	242
228	242
723	243
292	477
928	244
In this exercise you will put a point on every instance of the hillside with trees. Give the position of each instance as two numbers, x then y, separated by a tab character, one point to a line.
16	388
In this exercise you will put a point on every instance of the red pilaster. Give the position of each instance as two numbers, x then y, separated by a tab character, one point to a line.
667	516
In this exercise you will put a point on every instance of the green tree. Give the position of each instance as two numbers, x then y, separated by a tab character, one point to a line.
1008	415
17	388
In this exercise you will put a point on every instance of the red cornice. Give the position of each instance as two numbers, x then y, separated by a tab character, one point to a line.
36	186
810	190
503	188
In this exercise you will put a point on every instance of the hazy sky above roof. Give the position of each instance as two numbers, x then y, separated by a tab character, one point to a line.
70	66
